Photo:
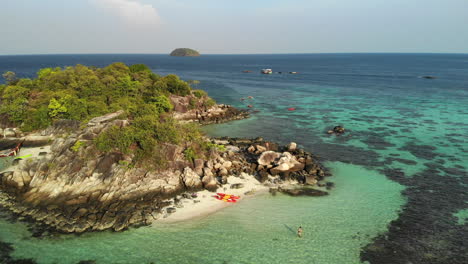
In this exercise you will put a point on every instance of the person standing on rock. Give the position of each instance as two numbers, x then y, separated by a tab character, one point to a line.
299	231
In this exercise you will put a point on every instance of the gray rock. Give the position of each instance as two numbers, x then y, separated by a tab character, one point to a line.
268	157
237	185
292	146
105	118
209	183
191	179
9	132
302	192
207	172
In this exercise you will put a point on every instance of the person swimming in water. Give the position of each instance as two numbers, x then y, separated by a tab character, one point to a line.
299	231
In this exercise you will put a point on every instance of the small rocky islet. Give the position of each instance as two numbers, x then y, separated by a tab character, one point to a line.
74	185
185	52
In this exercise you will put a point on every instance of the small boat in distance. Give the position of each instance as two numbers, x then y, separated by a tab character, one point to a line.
246	71
267	71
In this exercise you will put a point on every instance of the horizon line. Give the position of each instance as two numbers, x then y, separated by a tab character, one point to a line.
234	54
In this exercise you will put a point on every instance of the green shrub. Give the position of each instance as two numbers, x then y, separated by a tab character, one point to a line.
190	154
199	93
193	103
210	146
162	103
115	138
76	147
209	103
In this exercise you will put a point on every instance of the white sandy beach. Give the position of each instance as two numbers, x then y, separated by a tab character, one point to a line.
209	205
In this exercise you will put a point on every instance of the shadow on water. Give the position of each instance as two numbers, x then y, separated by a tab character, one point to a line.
290	229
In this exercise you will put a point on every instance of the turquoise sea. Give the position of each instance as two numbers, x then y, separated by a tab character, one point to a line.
401	170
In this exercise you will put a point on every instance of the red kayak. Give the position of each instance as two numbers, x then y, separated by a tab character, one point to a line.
226	197
291	109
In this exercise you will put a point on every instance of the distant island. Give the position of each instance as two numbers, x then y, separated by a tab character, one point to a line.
185	52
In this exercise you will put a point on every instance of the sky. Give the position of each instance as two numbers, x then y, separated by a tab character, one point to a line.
233	27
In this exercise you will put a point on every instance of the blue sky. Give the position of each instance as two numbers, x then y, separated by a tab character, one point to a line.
235	26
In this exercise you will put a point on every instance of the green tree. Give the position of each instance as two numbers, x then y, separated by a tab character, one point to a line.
162	103
56	109
10	77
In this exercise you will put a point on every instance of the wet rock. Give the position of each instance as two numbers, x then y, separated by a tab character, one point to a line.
302	192
237	186
251	192
262	176
171	210
87	262
330	185
338	130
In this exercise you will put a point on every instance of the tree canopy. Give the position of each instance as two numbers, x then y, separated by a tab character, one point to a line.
81	93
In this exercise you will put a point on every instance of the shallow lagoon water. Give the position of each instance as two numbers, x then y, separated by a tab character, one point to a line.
261	229
402	130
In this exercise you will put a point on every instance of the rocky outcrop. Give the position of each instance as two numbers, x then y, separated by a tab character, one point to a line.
337	130
190	109
78	190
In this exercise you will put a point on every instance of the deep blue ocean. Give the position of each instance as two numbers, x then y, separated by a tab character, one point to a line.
401	170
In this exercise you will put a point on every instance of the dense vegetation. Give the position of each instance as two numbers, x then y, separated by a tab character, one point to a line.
81	93
181	52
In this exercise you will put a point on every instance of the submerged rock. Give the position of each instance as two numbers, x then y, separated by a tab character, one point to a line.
237	186
302	192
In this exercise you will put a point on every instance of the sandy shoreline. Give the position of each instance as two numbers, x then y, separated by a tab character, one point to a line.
196	208
208	205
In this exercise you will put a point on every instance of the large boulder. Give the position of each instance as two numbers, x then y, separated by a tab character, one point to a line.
268	157
190	179
209	183
9	132
288	162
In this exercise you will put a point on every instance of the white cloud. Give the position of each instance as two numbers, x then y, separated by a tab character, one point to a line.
133	12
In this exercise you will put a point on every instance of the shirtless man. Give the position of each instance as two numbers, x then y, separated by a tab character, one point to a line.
299	231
